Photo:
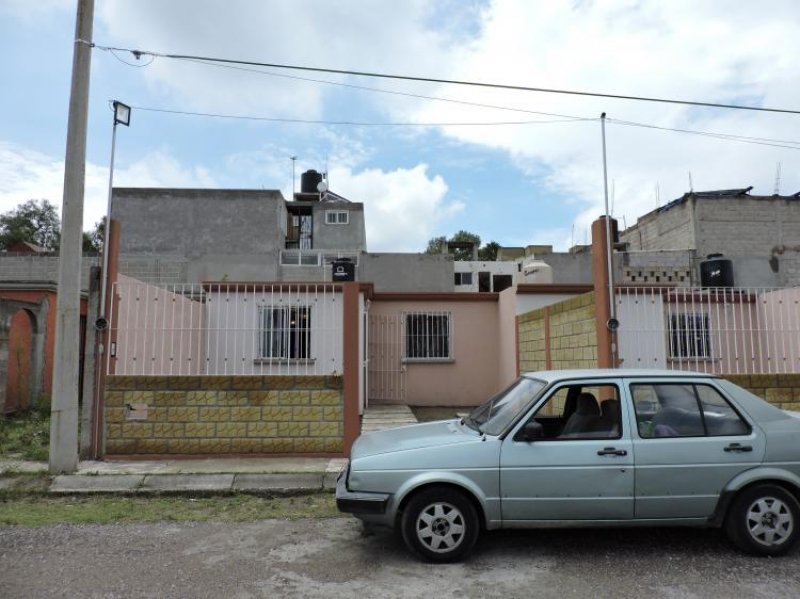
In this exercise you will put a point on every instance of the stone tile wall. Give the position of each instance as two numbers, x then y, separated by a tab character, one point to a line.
781	390
224	415
572	338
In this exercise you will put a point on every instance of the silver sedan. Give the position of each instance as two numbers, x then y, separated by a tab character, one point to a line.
586	448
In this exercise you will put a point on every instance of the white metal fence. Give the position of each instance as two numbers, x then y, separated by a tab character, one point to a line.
714	330
225	329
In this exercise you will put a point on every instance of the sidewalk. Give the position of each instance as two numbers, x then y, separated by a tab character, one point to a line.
214	475
209	475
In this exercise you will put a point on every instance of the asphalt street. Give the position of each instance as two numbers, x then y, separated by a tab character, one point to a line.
337	558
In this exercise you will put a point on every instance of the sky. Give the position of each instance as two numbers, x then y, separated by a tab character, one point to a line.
426	159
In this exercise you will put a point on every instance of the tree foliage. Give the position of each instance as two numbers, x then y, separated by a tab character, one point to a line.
486	253
93	240
35	221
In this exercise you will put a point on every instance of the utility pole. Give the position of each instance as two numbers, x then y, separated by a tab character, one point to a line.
64	406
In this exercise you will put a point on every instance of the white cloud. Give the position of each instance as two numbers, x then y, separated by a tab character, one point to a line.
371	35
402	208
711	51
26	175
29	12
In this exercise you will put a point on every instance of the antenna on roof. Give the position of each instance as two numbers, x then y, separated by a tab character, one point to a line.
572	237
778	179
691	185
658	194
293	159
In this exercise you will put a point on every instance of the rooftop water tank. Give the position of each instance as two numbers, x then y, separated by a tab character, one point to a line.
716	271
309	181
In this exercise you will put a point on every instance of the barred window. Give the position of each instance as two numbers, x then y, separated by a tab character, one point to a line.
284	332
689	336
428	335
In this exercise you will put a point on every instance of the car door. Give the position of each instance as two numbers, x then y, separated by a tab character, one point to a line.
689	441
580	468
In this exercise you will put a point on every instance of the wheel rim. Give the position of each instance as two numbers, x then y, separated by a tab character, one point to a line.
769	521
440	527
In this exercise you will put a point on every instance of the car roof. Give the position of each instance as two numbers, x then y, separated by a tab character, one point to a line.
600	373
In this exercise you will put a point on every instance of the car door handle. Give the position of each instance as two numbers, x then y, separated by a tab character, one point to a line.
612	451
738	447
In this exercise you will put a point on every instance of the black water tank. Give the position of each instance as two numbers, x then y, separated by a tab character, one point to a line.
343	269
309	181
716	271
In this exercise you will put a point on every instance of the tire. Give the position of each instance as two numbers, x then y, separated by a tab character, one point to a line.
764	520
440	525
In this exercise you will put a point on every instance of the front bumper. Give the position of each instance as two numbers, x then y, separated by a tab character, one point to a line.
357	502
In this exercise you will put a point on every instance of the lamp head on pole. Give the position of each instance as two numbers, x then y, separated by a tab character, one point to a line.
122	113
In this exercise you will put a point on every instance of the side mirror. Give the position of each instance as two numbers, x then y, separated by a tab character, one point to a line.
531	431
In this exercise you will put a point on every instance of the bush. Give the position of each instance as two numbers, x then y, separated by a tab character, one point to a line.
26	435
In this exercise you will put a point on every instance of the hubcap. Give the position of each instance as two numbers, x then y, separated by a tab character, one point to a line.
440	527
769	521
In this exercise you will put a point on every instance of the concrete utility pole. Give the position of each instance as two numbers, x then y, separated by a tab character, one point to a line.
64	421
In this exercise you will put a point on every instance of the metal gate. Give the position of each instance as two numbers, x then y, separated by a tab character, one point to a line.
386	373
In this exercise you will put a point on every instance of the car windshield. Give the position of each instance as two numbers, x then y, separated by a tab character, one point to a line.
493	416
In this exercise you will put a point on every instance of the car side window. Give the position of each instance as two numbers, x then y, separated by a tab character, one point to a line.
720	417
581	412
684	410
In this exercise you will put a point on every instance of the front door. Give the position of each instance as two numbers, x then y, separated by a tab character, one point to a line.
580	468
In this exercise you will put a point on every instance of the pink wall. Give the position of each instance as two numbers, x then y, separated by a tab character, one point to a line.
474	373
158	332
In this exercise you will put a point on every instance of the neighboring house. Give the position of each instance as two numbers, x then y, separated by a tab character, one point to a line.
760	234
27	342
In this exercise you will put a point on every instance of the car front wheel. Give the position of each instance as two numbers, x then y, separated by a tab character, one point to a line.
440	524
764	520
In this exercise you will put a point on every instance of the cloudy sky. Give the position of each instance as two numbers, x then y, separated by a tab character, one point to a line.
426	159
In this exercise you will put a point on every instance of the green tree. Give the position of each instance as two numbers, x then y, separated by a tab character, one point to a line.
486	253
35	221
93	240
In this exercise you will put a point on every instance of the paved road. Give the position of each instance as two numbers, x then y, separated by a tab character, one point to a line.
335	558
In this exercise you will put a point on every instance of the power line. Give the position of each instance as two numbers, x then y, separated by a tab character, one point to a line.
212	59
389	91
356	123
721	136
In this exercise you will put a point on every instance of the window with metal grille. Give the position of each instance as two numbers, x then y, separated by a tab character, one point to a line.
428	335
284	332
689	336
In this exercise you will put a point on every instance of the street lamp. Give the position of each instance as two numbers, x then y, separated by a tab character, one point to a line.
122	116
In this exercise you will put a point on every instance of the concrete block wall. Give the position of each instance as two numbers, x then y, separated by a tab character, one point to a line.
563	335
781	390
224	415
32	267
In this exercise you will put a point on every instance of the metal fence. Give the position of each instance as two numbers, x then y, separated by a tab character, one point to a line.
714	330
225	329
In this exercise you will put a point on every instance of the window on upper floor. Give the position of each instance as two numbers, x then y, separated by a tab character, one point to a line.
463	278
337	217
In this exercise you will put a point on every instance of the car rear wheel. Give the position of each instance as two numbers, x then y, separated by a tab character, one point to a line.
764	520
440	524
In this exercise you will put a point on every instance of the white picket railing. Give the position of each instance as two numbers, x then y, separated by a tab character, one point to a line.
225	329
714	330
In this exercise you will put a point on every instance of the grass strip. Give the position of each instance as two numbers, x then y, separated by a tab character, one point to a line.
44	511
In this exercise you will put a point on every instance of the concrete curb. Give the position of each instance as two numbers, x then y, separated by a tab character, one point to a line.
206	484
